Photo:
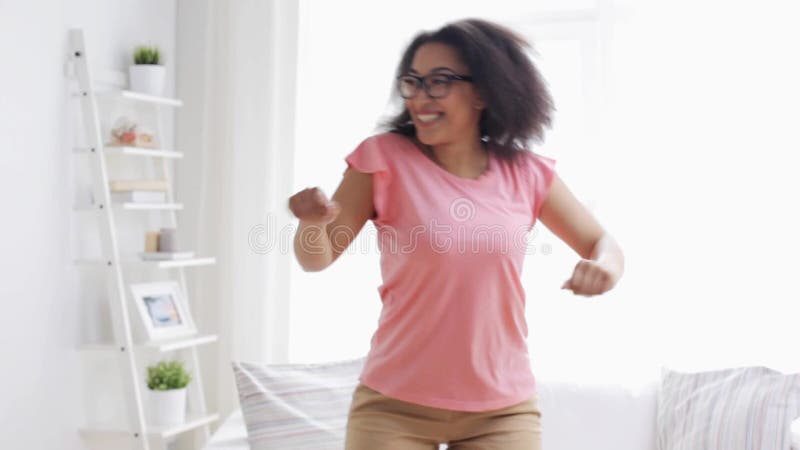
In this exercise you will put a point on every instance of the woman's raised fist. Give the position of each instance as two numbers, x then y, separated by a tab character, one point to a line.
312	206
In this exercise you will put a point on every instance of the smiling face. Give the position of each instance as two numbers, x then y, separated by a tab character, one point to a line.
453	119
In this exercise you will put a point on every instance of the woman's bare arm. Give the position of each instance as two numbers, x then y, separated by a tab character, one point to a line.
314	249
569	219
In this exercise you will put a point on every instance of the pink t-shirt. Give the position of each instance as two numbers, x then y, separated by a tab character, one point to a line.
452	330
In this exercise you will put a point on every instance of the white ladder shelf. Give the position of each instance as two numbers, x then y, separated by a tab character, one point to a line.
138	433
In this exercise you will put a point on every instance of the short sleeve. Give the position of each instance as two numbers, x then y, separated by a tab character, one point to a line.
542	171
369	157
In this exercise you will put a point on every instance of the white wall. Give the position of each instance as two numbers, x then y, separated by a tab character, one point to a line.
49	307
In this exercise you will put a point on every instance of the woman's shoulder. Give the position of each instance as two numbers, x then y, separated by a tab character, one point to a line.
388	145
535	162
535	169
533	157
380	152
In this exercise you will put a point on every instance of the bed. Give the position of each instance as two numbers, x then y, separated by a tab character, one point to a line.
232	434
304	405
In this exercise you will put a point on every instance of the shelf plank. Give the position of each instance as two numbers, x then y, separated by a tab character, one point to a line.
133	206
150	206
193	421
200	261
183	262
178	344
139	97
160	346
133	151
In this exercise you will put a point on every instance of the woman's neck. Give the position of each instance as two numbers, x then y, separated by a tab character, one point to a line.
461	159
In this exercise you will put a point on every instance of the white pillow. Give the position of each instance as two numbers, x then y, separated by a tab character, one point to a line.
297	406
747	408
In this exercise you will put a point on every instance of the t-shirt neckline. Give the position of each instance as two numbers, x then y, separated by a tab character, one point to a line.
489	166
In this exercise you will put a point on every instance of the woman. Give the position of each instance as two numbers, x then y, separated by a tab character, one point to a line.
453	191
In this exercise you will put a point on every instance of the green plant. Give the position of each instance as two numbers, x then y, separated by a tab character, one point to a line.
167	375
146	55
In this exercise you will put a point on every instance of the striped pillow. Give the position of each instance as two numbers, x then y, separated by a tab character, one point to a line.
747	408
796	435
297	406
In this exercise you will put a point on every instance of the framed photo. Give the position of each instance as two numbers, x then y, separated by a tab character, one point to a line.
163	310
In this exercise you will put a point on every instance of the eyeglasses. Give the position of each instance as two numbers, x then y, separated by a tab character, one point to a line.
436	85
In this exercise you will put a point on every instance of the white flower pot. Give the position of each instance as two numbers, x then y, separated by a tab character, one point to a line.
168	407
147	78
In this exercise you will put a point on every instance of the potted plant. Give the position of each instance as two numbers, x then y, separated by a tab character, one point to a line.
147	75
167	381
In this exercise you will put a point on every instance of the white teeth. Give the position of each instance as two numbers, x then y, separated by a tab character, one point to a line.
428	117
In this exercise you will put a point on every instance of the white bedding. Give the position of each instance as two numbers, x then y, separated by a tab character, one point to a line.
232	434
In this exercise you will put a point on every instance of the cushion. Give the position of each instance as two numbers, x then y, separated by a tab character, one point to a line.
589	414
297	406
796	435
746	408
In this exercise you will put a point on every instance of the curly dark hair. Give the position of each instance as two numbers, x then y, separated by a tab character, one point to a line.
518	103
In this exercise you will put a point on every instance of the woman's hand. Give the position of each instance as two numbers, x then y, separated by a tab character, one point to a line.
312	207
590	278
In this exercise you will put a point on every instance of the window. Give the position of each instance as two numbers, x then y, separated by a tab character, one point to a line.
675	135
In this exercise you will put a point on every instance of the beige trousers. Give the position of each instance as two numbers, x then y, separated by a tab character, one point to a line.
378	422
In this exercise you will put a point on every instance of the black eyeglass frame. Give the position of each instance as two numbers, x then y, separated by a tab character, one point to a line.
426	86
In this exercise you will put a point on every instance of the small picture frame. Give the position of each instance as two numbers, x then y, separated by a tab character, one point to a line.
163	310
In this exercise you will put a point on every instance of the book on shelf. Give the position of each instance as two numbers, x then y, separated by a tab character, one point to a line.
138	185
165	256
139	196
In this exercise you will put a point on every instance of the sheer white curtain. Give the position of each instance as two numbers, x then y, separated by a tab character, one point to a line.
237	73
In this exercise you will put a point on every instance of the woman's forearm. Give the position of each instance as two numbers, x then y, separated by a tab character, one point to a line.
607	252
312	247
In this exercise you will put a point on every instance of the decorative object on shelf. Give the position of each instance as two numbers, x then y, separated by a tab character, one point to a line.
163	310
128	133
151	241
167	381
167	241
138	185
147	75
166	246
162	245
